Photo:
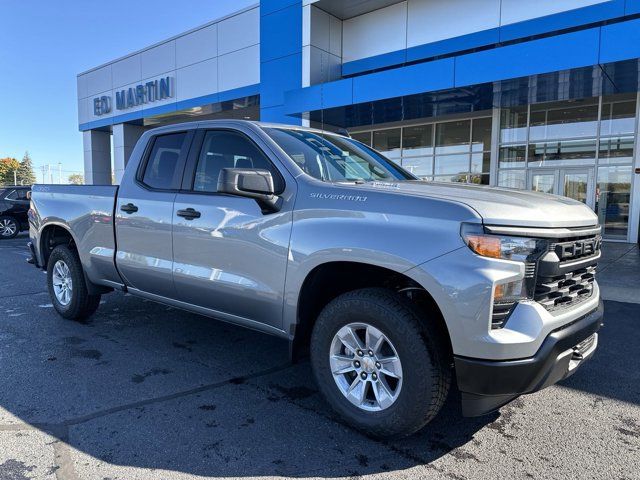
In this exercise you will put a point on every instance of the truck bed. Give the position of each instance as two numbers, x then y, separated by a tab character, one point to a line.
87	212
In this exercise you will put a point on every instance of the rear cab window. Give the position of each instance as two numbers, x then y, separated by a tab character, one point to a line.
165	163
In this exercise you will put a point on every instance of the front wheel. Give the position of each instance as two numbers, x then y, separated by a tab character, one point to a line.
377	365
67	287
9	227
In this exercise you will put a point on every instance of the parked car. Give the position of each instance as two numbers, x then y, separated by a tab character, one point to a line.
14	206
395	287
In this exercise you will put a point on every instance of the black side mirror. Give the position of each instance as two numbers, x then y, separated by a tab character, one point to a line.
256	184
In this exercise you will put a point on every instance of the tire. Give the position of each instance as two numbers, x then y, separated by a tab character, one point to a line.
425	369
78	304
9	227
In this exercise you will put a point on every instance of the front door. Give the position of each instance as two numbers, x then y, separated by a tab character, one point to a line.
229	255
575	183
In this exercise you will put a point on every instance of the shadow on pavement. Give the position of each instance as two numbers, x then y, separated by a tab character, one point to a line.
614	371
143	385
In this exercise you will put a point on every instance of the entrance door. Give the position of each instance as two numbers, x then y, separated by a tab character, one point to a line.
578	184
575	183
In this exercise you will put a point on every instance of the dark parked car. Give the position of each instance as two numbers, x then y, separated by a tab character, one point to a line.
14	205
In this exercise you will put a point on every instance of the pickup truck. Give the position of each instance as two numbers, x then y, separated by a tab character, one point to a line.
393	286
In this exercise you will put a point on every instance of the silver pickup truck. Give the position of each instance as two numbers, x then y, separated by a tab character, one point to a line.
394	286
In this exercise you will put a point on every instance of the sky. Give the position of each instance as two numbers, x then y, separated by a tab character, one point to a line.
44	44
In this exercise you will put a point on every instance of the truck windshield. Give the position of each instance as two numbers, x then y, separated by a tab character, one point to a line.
333	158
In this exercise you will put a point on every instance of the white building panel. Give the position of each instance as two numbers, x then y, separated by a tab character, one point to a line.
197	80
239	69
320	29
434	20
197	46
158	60
374	33
239	31
81	81
126	70
516	10
335	40
98	80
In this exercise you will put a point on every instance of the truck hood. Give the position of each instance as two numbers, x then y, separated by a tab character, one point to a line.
501	206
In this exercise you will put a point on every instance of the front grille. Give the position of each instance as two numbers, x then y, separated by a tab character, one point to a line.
566	289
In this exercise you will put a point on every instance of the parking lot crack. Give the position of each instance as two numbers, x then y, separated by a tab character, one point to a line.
172	396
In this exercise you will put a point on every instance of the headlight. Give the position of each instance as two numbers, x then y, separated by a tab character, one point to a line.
520	249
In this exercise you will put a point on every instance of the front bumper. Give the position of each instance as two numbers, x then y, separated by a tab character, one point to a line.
487	385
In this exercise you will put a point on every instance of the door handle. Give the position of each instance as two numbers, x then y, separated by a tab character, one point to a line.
129	208
188	213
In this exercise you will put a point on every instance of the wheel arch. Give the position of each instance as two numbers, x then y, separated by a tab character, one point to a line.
54	234
328	280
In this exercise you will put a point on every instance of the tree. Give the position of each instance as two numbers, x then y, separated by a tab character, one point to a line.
26	176
76	179
8	166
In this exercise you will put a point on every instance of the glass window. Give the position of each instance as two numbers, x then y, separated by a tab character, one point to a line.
479	179
459	178
364	137
616	150
387	142
513	124
417	140
613	194
513	156
480	162
164	168
453	137
543	182
512	179
568	152
419	166
618	117
481	139
451	164
13	195
563	120
334	158
227	149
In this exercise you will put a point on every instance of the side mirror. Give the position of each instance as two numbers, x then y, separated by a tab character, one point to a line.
256	184
29	195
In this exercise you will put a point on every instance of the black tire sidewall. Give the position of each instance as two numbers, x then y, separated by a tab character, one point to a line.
16	223
69	257
397	320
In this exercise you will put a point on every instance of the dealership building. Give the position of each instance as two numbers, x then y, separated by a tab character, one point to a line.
529	94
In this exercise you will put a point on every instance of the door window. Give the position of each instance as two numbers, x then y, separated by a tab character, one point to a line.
164	165
227	149
543	182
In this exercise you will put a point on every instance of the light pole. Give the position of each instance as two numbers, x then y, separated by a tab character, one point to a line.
60	172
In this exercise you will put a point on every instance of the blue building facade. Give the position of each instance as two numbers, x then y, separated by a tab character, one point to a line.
539	95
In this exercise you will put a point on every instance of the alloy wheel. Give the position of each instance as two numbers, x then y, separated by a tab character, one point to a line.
62	282
365	366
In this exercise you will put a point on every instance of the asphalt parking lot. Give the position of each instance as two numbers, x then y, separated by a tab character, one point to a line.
143	391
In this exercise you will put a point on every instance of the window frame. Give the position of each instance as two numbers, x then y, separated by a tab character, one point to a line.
191	167
182	159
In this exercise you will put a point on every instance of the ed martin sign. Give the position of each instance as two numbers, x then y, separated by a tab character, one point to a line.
148	92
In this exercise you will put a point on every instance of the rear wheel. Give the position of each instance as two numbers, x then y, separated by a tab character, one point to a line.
67	287
377	365
9	227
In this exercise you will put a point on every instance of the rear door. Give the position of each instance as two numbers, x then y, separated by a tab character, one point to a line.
144	212
229	255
